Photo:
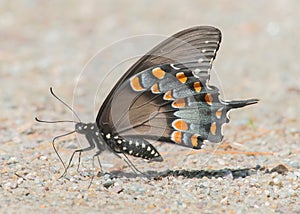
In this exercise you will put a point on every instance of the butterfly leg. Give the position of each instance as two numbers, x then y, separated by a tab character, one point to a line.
94	156
129	163
100	146
53	145
99	162
91	147
93	166
132	166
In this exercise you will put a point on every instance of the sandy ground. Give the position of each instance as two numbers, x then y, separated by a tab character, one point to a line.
257	167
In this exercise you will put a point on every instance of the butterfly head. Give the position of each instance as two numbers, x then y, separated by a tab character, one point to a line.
79	127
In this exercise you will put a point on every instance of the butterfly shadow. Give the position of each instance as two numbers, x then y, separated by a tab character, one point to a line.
221	173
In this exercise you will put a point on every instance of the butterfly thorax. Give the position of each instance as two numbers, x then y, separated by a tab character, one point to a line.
86	128
92	134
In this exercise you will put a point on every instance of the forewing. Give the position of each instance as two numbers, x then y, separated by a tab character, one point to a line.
196	46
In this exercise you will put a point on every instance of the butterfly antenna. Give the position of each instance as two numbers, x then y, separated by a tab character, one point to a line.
53	141
65	104
55	121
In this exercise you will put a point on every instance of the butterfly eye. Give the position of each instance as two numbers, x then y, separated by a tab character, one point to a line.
78	127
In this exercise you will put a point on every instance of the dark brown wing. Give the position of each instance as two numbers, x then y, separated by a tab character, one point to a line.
194	48
193	45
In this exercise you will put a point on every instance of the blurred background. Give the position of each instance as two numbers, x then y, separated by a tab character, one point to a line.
48	43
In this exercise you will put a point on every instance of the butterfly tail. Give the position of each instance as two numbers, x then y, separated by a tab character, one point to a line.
240	103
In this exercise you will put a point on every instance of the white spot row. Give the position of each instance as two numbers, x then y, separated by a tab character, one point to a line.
174	67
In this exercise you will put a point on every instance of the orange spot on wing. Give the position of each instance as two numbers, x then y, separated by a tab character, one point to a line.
181	77
158	73
177	137
208	99
179	103
155	89
180	125
213	128
136	84
219	113
168	96
194	140
197	86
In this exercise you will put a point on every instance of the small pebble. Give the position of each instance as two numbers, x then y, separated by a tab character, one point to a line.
108	183
12	160
280	169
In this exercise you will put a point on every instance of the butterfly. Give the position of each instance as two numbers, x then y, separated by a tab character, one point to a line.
164	97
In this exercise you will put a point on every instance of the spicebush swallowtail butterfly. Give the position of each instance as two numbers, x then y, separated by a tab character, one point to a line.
165	96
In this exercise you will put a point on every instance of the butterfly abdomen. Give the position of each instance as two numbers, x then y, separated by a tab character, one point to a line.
134	146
